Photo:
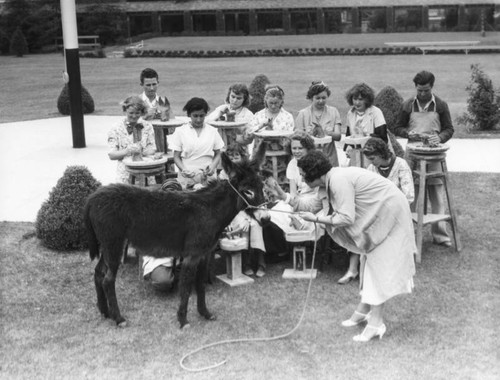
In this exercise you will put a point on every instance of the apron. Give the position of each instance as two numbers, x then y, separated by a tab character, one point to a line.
195	165
424	123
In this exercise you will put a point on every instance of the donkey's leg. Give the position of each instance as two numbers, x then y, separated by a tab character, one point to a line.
109	288
102	302
201	278
188	273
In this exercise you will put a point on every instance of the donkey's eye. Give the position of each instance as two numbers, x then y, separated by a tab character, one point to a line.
249	194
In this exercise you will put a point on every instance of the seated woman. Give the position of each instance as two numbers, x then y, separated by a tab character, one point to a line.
363	119
273	116
235	109
320	119
396	169
196	146
372	218
385	163
243	224
301	196
131	136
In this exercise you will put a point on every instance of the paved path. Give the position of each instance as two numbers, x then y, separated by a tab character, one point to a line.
34	155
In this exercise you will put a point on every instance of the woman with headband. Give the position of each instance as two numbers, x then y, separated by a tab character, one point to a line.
320	119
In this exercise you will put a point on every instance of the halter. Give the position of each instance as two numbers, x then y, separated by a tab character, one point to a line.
259	207
249	206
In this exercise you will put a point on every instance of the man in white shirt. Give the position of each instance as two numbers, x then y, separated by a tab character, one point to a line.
149	83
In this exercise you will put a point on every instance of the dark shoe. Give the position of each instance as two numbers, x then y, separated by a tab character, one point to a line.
446	243
248	272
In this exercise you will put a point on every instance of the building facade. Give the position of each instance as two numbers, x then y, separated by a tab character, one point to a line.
261	17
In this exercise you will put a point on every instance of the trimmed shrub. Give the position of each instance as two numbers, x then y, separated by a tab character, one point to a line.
389	101
63	101
59	223
257	90
18	44
483	103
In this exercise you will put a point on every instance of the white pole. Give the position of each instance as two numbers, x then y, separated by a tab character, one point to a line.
70	33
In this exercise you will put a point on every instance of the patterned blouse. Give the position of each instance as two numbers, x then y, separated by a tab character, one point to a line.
282	122
119	138
400	175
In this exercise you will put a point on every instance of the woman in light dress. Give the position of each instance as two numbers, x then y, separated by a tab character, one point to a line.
196	146
235	109
371	217
320	119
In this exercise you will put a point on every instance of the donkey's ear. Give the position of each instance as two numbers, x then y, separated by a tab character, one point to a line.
258	157
227	164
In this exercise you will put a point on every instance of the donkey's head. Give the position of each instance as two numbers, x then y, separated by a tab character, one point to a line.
244	178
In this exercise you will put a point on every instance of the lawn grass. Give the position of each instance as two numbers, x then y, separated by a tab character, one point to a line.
36	80
445	330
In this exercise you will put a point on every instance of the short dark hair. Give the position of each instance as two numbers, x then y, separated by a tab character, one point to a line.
196	104
361	90
423	78
305	140
148	73
239	88
314	164
375	146
316	87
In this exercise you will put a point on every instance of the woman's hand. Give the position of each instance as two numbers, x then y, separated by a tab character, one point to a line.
134	149
209	171
309	216
188	173
348	151
272	183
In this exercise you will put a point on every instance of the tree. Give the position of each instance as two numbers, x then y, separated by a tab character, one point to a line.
14	16
483	103
59	223
390	101
18	44
257	90
63	101
105	20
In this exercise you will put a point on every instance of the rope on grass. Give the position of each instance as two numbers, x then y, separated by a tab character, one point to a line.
264	339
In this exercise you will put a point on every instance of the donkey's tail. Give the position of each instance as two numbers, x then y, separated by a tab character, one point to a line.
91	236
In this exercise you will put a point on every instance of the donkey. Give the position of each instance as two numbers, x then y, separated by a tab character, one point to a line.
168	223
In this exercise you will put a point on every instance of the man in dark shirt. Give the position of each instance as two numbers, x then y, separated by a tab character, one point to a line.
426	114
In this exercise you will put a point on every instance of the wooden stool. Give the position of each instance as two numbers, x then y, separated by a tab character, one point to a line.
170	166
424	170
231	248
298	240
139	176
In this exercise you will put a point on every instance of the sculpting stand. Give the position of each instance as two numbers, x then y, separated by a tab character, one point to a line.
299	270
231	249
421	217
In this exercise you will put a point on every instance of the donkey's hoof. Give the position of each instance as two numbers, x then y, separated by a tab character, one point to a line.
122	324
186	326
210	317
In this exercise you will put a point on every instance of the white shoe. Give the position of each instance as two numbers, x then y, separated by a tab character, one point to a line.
347	277
359	318
370	332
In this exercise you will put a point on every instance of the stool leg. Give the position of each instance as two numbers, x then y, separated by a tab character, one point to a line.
451	209
229	265
420	209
